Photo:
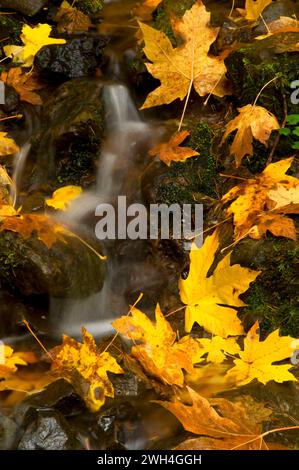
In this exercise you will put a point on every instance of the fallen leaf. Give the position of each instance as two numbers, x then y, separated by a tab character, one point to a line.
27	381
144	10
71	20
25	84
284	24
7	145
9	361
178	69
252	122
217	347
171	151
209	299
251	204
62	197
159	354
33	39
227	424
254	8
86	368
210	379
26	225
285	200
256	360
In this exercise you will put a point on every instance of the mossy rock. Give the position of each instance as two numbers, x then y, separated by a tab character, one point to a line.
196	178
10	30
273	298
252	66
65	270
91	8
66	149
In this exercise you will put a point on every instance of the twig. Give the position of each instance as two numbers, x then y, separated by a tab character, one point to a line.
277	138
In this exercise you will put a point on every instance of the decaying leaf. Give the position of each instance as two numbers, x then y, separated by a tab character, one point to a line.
256	360
25	84
171	151
46	230
71	20
159	352
252	122
178	69
210	299
227	424
33	39
254	8
144	10
217	347
284	24
7	145
62	197
254	208
86	368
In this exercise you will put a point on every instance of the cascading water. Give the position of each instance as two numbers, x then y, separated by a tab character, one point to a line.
127	134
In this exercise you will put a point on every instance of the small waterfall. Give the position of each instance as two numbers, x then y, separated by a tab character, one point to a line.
127	132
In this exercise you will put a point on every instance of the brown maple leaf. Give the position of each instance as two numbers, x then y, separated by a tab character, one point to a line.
171	151
71	20
252	122
25	84
254	208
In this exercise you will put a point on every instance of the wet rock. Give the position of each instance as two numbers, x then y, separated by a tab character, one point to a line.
65	270
49	431
8	432
91	8
12	312
273	297
66	148
10	29
26	7
78	58
12	101
276	9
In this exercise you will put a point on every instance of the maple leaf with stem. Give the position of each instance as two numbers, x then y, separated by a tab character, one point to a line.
257	357
222	424
62	197
25	84
71	20
210	300
188	65
254	209
33	39
252	122
86	368
159	353
171	151
7	145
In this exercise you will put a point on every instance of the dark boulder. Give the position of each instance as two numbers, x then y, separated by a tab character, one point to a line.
26	7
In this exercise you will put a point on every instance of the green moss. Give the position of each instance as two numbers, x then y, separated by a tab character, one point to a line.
90	7
9	261
183	181
10	30
274	297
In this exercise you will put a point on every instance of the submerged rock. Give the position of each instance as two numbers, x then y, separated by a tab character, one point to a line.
78	58
26	7
49	431
65	270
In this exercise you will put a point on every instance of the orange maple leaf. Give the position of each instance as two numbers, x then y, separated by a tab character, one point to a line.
171	151
24	84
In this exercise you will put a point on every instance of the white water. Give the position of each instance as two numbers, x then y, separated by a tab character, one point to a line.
126	132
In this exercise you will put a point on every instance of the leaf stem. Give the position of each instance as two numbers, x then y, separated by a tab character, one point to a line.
185	105
262	89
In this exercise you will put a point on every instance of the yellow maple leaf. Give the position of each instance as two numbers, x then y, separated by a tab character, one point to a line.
159	354
256	360
33	39
62	197
252	209
25	84
9	361
216	347
7	145
71	20
86	368
210	299
171	151
178	69
252	122
285	200
254	8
